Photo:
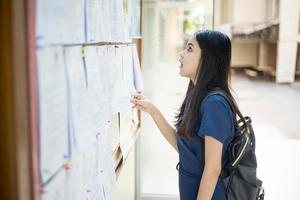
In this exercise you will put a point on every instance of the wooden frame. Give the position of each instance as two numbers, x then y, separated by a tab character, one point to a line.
19	172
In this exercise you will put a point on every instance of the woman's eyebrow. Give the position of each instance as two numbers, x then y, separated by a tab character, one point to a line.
190	44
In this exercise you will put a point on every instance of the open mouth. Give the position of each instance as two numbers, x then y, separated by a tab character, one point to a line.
180	64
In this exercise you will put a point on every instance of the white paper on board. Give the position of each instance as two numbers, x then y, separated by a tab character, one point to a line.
92	175
127	15
120	94
56	189
128	131
113	131
135	19
60	22
118	22
81	116
128	71
98	85
108	16
81	177
53	110
50	15
138	79
96	25
74	23
106	164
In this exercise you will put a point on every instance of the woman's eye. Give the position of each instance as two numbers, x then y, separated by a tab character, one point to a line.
189	49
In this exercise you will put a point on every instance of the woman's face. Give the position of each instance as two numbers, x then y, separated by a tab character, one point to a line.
189	59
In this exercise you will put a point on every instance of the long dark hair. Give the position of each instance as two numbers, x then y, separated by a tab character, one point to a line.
213	71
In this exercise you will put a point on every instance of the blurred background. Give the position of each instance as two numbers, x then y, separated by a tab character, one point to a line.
265	72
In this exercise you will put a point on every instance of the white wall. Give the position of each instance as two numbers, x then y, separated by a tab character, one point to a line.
249	11
244	54
287	47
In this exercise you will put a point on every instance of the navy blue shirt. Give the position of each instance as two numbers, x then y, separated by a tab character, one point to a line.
216	120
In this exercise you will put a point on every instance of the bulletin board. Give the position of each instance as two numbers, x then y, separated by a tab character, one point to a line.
87	68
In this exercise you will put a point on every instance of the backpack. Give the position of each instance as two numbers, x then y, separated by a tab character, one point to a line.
239	173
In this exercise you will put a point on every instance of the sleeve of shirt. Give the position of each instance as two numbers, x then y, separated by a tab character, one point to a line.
216	119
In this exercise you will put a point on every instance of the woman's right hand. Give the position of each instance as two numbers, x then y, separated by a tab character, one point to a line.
142	103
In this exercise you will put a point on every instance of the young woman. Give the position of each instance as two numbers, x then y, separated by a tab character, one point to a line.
204	127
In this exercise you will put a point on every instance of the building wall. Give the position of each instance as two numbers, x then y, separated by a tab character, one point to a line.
226	11
249	11
244	54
